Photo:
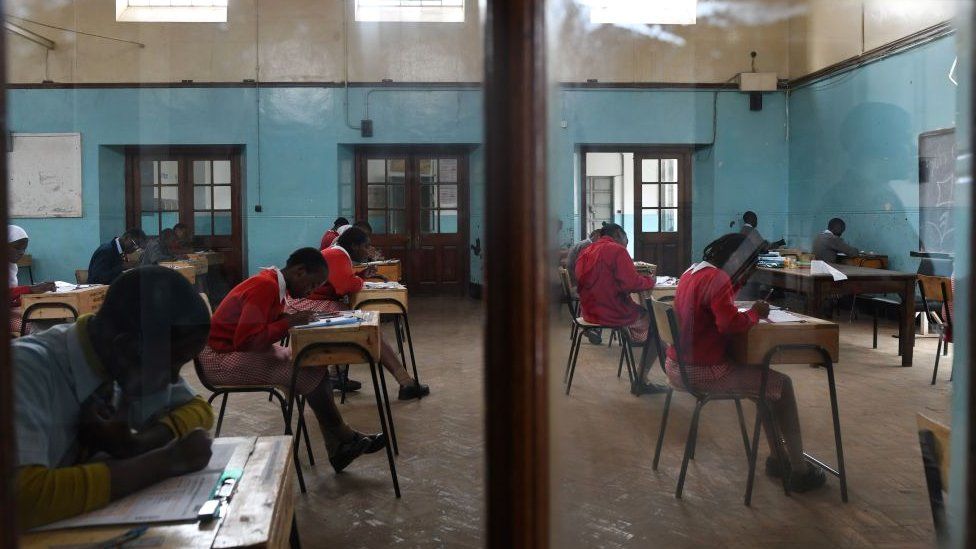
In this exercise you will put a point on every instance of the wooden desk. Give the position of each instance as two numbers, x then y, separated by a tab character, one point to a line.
397	295
84	300
391	269
199	263
259	515
872	261
751	347
860	280
366	334
27	262
185	268
212	258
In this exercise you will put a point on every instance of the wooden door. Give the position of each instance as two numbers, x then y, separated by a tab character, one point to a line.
416	201
197	186
662	224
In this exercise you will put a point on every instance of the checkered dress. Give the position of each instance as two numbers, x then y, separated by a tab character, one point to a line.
638	330
258	369
317	305
727	378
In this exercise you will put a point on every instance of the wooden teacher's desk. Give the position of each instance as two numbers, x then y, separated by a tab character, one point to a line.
259	514
860	280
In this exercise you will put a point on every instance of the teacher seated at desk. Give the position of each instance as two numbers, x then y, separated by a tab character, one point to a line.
110	384
829	245
707	316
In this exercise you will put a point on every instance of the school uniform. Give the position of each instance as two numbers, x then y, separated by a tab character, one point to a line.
331	296
707	316
827	245
107	263
245	330
606	278
155	252
328	238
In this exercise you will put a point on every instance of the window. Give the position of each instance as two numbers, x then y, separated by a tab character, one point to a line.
171	11
624	12
424	11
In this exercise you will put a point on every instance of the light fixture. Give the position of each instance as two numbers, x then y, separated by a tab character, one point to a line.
410	11
171	11
643	12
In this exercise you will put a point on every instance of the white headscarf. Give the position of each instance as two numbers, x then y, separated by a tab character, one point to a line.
343	229
14	233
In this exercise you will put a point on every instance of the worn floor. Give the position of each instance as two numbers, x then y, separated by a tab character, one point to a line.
605	493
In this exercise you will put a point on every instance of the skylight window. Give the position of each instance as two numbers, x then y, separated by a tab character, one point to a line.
404	11
643	12
171	11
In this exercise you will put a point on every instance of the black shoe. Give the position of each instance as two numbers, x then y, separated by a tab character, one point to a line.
377	442
348	451
415	390
774	467
594	337
647	389
351	385
811	479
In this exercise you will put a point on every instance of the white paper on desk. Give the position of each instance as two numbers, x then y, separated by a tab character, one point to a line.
780	316
665	282
173	500
382	285
818	267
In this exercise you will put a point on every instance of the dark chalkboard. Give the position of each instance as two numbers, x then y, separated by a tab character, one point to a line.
936	186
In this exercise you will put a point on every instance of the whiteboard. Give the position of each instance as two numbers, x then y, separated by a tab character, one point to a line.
45	175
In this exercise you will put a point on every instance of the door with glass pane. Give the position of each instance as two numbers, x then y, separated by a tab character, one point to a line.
662	193
197	186
415	199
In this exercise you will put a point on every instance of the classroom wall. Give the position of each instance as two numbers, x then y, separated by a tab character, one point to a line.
853	149
293	170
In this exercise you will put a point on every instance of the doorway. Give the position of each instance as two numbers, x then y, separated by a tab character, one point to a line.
199	186
416	200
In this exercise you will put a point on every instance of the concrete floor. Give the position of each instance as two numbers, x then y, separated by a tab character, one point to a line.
605	493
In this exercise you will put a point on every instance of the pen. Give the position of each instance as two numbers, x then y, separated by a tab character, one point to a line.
119	541
769	294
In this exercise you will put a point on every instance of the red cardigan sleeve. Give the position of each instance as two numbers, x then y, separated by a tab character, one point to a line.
16	292
256	329
728	318
341	275
626	274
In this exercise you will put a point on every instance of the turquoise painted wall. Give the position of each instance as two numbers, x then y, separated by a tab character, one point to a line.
854	148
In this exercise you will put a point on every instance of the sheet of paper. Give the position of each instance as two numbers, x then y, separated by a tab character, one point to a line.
818	267
174	500
383	285
337	321
778	316
666	281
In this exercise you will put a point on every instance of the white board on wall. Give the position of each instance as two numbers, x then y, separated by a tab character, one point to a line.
45	175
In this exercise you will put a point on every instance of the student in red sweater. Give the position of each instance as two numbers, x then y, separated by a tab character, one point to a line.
353	244
707	316
243	348
329	237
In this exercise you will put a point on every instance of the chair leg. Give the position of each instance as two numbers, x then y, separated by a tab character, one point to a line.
303	427
664	426
298	466
613	334
293	540
413	359
742	427
835	413
874	324
938	353
569	359
573	357
342	374
379	410
389	411
689	448
760	410
220	416
631	364
620	364
398	330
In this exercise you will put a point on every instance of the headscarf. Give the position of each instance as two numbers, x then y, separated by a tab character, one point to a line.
14	233
342	229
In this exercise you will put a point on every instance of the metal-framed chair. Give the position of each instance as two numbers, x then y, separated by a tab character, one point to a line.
937	291
579	327
379	388
569	297
70	314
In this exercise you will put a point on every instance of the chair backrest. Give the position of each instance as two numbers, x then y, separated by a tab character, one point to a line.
937	288
565	283
659	312
933	438
81	276
206	301
66	314
665	322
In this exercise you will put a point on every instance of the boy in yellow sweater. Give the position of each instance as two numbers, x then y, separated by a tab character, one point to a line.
108	387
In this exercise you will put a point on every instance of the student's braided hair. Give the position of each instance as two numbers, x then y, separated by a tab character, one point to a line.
733	253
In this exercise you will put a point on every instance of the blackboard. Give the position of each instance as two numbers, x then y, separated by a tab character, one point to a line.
936	188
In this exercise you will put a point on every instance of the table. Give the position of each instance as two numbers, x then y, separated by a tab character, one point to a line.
873	261
185	268
212	258
390	301
391	269
261	513
84	300
860	280
27	262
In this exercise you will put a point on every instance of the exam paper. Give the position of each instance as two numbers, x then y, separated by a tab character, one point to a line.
173	500
818	267
383	285
780	316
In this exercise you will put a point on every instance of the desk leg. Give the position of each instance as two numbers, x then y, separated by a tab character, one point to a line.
293	539
907	341
841	467
389	412
815	300
382	413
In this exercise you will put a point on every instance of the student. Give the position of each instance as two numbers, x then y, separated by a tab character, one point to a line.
329	297
595	336
372	254
707	316
606	278
749	223
243	348
110	383
184	239
111	258
17	242
162	248
829	244
329	237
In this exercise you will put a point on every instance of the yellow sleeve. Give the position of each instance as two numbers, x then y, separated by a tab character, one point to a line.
47	495
193	414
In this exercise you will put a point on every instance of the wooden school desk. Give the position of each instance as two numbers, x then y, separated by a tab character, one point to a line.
860	280
810	341
872	261
85	299
391	269
185	268
212	258
260	514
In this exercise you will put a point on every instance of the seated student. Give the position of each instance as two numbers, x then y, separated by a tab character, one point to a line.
606	278
372	254
329	237
595	335
162	248
110	384
749	223
330	297
17	242
707	315
828	244
243	348
111	258
184	239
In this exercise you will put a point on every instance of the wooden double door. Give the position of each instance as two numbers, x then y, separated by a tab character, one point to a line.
416	200
199	186
662	220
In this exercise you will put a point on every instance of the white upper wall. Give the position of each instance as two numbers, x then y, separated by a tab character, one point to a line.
302	40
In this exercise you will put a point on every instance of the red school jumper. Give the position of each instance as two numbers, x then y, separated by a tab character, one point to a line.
606	278
328	238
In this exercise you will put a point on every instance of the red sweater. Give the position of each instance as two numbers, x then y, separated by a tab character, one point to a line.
343	280
606	277
15	294
707	315
328	238
250	317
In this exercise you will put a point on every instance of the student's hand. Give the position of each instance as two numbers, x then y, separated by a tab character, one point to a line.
103	428
299	318
42	287
190	453
761	308
369	272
